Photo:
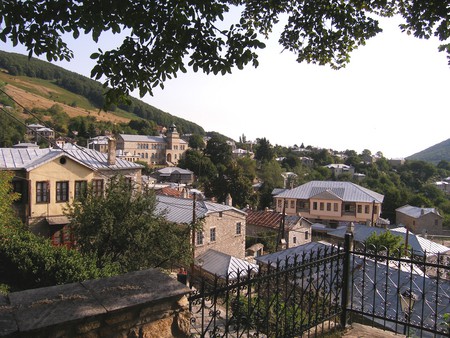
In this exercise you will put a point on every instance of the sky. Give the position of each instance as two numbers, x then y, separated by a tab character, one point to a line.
392	97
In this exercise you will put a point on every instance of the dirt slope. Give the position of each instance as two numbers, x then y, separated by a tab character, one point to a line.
30	100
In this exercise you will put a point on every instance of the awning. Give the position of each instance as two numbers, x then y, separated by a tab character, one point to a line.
57	220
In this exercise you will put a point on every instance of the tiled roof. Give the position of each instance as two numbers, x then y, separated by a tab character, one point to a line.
270	219
416	212
31	158
222	265
167	191
180	210
347	191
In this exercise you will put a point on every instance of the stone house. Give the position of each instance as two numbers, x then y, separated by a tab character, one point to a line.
36	132
48	179
420	220
331	202
223	226
175	175
297	230
154	150
338	169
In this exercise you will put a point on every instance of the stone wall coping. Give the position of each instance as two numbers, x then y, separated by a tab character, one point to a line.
33	309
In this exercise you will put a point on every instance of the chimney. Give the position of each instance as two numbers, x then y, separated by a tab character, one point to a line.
229	200
111	151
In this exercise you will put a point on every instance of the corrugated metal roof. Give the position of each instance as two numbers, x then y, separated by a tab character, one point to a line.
174	170
29	159
417	212
222	265
142	138
347	191
180	210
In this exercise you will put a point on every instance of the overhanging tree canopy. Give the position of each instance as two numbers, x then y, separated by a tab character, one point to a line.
165	35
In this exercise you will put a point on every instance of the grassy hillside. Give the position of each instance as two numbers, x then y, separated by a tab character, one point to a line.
435	154
39	84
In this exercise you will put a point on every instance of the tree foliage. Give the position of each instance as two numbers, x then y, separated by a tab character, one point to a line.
162	38
122	227
385	241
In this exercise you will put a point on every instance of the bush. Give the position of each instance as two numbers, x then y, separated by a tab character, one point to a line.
28	261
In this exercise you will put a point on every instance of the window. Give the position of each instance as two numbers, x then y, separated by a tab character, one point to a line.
62	191
366	209
436	222
375	209
42	192
336	207
238	228
314	205
328	206
199	239
212	234
292	204
80	189
279	203
294	240
322	206
220	214
306	235
359	206
97	187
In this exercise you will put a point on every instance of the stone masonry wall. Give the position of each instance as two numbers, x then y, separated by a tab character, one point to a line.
139	304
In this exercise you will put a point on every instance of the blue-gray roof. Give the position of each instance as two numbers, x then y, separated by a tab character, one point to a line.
180	210
146	138
31	158
222	265
417	212
347	191
174	170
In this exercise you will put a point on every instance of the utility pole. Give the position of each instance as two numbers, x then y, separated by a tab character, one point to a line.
282	225
194	220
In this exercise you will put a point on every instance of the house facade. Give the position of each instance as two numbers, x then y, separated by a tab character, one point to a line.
223	226
420	220
297	230
48	179
154	150
331	203
175	175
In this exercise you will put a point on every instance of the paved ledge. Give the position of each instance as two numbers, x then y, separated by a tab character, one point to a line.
102	300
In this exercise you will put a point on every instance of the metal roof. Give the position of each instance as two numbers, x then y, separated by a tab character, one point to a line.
347	191
222	265
416	212
418	244
174	170
146	138
31	158
180	210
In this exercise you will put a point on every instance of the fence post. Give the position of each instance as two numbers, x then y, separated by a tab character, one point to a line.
346	279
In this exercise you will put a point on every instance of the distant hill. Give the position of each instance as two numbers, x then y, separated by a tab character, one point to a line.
38	84
435	154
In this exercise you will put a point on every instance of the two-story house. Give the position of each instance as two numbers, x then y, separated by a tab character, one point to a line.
48	179
420	220
331	202
175	175
223	226
164	149
294	230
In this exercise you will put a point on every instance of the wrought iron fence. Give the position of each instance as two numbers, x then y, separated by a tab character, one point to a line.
311	293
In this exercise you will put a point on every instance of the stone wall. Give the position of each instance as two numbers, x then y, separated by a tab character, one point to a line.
139	304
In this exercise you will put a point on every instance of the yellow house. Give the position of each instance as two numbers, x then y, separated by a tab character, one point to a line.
48	179
331	202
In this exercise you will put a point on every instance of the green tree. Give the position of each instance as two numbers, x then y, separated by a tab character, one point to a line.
196	142
218	150
264	150
164	37
385	241
122	227
7	198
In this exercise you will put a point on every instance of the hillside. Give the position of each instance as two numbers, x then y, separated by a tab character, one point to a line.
435	154
38	84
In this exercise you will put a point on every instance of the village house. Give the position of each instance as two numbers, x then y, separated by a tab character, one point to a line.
420	220
154	150
338	169
223	226
48	179
297	230
331	202
36	132
175	175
